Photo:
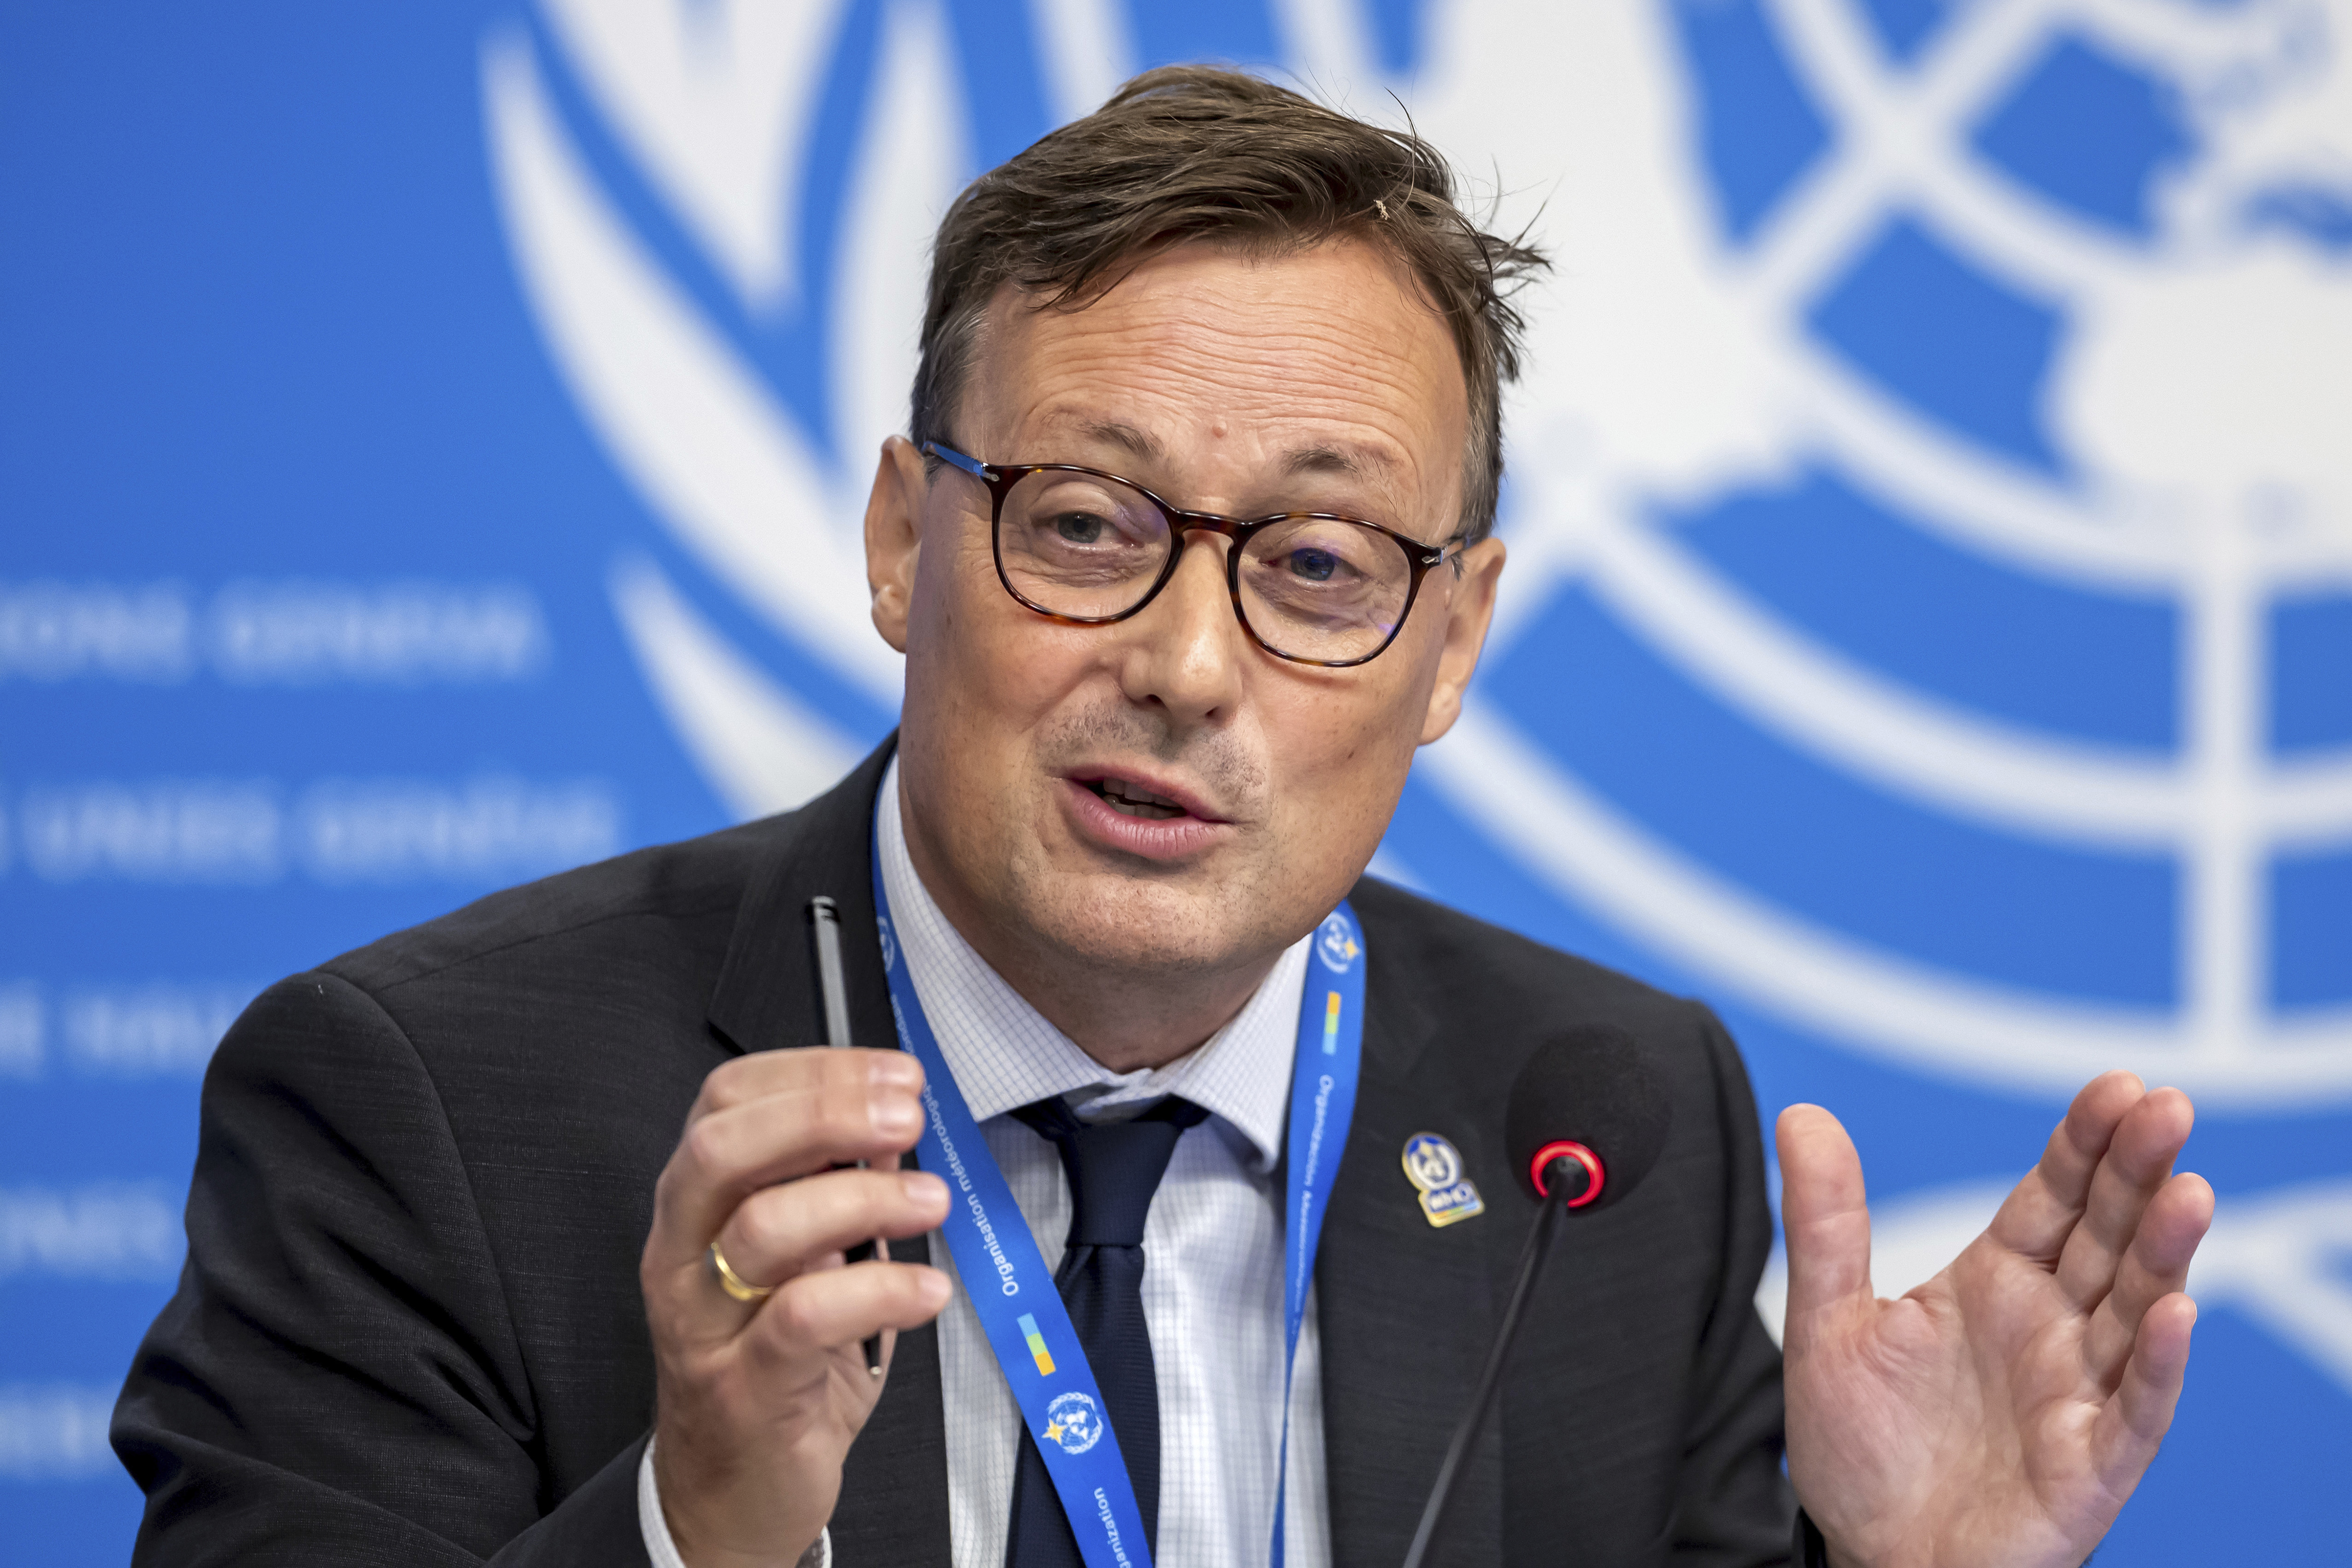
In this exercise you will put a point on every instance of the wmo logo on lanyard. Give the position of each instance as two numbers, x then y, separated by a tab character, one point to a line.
1929	618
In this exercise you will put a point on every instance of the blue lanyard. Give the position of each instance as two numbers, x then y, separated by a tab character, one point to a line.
1013	1292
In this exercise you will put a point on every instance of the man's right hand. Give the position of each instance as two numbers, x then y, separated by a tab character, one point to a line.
759	1401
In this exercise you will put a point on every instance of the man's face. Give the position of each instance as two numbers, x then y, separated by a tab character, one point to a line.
1316	382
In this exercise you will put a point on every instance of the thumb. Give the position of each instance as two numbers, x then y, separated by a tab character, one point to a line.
1824	1215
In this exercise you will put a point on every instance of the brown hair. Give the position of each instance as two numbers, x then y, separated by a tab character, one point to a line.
1194	152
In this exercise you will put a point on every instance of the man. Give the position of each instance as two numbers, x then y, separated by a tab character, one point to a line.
459	1288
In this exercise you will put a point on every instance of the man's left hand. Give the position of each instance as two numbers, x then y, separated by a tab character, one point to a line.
1998	1415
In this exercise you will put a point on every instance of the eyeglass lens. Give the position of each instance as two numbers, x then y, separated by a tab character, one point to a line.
1091	548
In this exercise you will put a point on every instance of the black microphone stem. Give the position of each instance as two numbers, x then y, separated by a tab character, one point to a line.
1531	1260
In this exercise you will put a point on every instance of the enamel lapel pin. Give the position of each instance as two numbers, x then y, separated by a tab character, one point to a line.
1434	1166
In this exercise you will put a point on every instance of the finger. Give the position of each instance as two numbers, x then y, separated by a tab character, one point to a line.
2155	1266
2138	1160
2041	1212
834	1307
757	1074
780	1232
2133	1421
729	1154
1823	1213
843	1113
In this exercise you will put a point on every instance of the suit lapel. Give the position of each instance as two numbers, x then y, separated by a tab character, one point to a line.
1405	1309
894	1486
767	995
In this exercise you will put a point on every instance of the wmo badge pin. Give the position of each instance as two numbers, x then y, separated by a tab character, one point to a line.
1434	1166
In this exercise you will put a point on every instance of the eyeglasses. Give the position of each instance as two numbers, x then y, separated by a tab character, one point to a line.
1087	548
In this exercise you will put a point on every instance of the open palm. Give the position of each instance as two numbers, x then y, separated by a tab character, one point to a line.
1998	1415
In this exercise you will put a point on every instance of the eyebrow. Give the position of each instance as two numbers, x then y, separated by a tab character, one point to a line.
1355	464
1134	441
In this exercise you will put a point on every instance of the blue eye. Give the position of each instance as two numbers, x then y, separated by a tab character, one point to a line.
1313	565
1079	528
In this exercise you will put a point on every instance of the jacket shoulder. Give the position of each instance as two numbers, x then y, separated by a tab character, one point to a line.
1445	953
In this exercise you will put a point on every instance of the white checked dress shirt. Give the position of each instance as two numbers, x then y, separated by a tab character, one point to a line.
1212	1248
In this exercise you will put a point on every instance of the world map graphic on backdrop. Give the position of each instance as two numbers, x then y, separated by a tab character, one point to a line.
1926	451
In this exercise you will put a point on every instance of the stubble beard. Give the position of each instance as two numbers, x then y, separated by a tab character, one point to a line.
1117	915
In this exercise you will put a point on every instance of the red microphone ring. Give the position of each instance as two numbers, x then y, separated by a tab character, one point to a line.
1582	1155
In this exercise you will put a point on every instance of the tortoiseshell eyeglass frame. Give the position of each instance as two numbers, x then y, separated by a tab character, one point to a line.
1001	477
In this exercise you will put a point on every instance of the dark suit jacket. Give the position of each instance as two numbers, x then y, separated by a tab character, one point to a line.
409	1329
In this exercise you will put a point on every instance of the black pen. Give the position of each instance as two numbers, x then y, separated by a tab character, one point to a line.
825	927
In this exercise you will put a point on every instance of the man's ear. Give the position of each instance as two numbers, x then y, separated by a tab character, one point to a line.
1469	610
894	536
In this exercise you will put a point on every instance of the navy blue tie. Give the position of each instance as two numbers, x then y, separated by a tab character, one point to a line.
1113	1169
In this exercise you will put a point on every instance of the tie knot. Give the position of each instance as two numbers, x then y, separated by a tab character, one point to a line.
1114	1167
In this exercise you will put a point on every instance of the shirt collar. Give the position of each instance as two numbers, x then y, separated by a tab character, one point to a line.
1005	1054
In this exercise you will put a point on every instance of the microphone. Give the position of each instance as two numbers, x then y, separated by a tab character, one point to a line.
1591	1097
1587	1118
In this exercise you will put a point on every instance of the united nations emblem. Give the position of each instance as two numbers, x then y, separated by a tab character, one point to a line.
889	943
1730	415
1434	1166
1073	1421
1337	942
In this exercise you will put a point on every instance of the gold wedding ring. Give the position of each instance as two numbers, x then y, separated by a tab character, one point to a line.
733	1283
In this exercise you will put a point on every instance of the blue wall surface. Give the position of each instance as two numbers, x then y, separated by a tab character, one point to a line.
431	441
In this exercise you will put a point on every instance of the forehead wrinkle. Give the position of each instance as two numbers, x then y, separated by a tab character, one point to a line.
1231	376
1187	337
1117	373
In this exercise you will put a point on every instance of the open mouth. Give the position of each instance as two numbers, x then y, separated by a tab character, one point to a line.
1134	800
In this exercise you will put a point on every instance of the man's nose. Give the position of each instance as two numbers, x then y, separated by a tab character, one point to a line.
1186	651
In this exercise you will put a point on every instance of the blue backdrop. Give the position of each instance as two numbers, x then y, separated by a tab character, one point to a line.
432	441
